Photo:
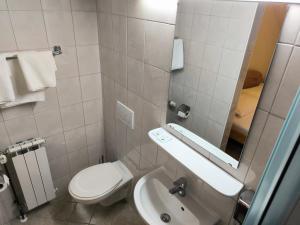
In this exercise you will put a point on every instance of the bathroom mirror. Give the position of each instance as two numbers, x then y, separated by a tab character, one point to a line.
221	56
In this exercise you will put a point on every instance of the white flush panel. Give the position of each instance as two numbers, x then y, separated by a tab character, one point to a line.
125	114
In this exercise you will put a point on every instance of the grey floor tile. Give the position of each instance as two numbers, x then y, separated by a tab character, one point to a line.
65	211
82	213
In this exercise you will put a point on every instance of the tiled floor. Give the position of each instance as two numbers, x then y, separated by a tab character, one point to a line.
66	212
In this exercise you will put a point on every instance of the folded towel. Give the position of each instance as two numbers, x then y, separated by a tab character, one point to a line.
6	88
20	90
38	69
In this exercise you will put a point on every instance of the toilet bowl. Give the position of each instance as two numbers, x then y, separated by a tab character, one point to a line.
104	183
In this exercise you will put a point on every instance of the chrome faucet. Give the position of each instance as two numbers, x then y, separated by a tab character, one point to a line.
179	187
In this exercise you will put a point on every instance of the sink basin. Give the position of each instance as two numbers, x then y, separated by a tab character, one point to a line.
155	204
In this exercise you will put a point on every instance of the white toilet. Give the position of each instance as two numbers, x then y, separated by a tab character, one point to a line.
104	183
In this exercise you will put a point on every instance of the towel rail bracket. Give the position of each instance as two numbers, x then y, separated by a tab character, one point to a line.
55	51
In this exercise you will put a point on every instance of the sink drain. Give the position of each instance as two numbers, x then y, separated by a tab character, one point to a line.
166	218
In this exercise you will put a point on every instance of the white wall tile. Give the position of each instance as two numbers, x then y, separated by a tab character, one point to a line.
93	132
212	58
75	139
184	23
56	146
219	111
59	167
84	5
120	68
56	5
221	8
242	10
203	7
104	5
186	6
67	64
291	25
18	111
165	13
200	27
106	26
158	51
225	89
78	160
85	27
88	59
4	142
72	116
51	102
155	89
231	63
217	31
29	29
91	87
119	7
238	34
136	38
288	87
265	146
298	40
59	27
69	91
48	123
275	74
24	5
202	105
92	112
3	5
7	40
119	33
21	128
135	71
207	82
196	54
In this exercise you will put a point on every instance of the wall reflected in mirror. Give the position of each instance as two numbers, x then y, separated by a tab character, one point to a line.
227	50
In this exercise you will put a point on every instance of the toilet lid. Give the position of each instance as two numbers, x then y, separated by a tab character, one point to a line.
95	181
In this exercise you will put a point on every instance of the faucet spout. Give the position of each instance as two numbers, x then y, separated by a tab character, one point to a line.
179	187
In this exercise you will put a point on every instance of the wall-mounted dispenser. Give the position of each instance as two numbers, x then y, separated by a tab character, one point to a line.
243	205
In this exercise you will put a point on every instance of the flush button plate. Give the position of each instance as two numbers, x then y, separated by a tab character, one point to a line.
125	114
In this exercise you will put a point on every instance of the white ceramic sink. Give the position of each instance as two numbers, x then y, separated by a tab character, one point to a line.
152	199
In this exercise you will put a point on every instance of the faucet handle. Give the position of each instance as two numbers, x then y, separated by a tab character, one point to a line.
180	182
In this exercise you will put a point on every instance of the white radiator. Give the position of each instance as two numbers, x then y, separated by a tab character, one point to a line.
30	174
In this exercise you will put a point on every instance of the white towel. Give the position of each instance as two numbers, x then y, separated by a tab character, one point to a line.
6	88
20	90
38	69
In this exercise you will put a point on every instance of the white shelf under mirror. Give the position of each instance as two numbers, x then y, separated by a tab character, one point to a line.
205	145
214	176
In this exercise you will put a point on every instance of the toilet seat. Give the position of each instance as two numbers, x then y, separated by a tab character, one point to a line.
95	182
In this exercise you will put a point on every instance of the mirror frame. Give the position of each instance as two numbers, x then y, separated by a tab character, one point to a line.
200	144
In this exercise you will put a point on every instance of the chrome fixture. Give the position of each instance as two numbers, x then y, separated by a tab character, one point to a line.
55	51
179	187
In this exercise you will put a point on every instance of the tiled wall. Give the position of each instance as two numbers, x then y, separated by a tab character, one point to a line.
136	41
215	36
71	117
135	46
134	147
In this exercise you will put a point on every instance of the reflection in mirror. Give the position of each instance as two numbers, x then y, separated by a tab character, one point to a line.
227	47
